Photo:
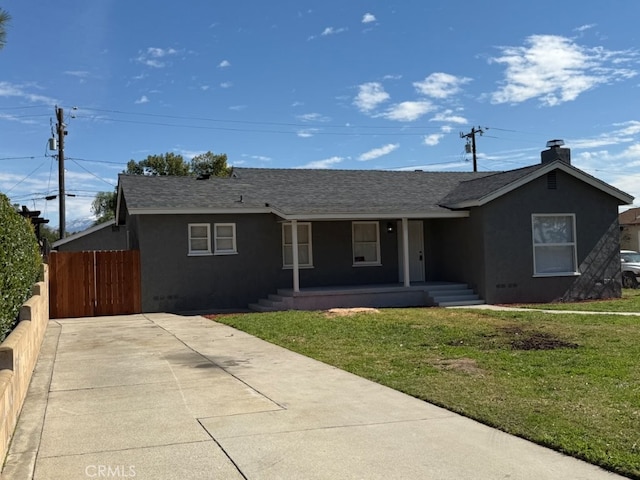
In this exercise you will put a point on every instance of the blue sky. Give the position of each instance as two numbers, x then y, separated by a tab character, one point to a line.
301	84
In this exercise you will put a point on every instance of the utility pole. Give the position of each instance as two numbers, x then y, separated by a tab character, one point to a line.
472	135
60	129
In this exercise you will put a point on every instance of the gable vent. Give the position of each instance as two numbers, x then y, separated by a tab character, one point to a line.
552	181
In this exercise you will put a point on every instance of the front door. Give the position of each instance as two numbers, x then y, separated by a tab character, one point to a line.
416	251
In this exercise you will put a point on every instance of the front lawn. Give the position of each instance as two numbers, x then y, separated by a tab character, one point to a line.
630	302
570	381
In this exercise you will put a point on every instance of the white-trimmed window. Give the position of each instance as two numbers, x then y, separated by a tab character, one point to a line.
366	243
305	251
224	238
554	244
199	239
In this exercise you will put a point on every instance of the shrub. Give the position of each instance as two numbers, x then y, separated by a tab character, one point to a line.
20	264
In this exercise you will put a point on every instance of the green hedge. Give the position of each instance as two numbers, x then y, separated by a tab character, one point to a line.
20	263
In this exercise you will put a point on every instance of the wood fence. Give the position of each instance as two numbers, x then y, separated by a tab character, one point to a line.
94	283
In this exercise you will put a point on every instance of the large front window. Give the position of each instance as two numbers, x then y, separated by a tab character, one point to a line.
366	243
305	254
554	244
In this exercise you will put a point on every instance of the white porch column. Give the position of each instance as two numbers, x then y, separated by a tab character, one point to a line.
405	251
296	267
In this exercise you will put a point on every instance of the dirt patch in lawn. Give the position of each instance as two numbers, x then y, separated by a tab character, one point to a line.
344	312
466	365
521	339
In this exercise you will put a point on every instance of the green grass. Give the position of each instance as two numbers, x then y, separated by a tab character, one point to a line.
630	302
570	382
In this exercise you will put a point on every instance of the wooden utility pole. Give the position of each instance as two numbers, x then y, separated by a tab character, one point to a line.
60	129
472	135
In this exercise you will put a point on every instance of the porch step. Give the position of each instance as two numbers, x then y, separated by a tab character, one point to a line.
453	295
443	294
273	303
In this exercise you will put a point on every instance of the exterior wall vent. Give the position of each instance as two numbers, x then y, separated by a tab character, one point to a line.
552	181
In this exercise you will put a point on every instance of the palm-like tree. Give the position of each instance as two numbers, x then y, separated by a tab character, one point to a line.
4	20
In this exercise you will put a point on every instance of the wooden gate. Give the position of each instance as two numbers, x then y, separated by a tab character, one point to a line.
94	283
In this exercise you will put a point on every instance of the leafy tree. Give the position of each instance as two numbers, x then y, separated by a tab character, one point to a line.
5	18
211	164
206	164
104	207
164	164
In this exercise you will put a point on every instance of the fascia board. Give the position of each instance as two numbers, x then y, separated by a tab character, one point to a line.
186	211
373	216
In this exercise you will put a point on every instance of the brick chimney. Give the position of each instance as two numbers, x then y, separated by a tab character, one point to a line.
556	152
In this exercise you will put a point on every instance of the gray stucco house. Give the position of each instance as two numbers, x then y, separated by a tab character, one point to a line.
540	233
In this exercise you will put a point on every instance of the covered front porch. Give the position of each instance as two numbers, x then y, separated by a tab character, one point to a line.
420	294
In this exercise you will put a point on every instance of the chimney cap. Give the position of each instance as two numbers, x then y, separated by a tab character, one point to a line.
555	143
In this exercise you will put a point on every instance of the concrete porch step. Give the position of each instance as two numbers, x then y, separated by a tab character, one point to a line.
461	303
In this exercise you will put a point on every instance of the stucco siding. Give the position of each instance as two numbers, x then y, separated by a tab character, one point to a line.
176	282
107	238
509	268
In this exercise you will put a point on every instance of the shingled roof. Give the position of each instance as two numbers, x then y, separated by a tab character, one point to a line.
324	194
297	192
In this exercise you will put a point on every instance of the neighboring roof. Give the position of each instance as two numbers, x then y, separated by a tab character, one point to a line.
477	192
630	217
88	231
334	194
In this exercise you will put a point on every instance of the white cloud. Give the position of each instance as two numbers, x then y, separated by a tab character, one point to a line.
10	90
440	85
449	117
226	85
332	31
584	28
326	163
142	99
433	139
313	117
370	95
555	70
307	133
378	152
224	64
237	108
368	18
154	57
408	111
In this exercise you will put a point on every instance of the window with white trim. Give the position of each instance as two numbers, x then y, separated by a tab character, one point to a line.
199	239
554	244
224	238
366	243
305	251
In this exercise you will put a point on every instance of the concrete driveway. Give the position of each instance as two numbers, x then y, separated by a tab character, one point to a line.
160	396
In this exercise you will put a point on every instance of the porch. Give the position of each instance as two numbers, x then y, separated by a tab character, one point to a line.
421	294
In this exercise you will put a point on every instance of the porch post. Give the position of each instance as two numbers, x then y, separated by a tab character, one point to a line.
405	251
296	269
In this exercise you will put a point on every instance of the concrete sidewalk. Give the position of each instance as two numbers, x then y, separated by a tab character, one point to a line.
159	396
